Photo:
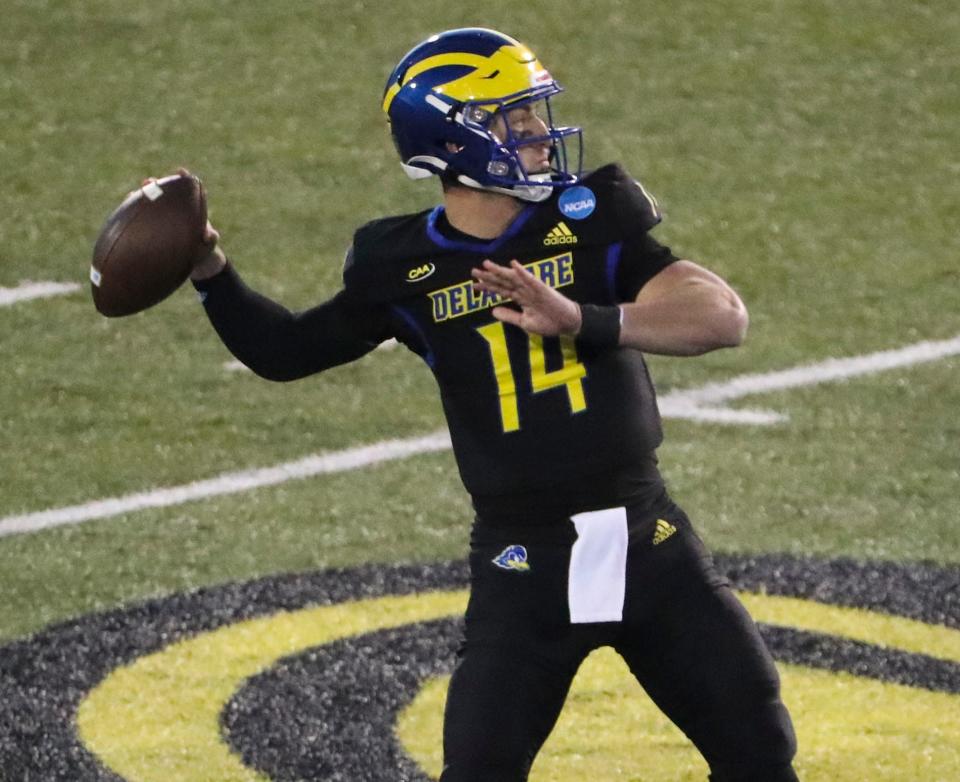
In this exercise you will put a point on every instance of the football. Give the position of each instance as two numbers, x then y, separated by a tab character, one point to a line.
148	245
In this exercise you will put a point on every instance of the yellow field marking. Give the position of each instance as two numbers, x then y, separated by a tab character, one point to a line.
157	719
857	624
849	729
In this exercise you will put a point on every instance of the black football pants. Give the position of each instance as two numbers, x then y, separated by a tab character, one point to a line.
684	635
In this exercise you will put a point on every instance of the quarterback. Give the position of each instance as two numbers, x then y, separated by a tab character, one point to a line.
532	292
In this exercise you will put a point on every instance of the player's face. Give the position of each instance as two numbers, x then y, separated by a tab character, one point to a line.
525	122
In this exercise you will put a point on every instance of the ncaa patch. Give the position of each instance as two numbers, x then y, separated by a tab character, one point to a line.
512	558
577	203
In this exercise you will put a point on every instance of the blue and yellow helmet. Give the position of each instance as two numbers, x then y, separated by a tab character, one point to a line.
441	100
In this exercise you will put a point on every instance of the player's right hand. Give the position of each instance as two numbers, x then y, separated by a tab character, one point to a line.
211	260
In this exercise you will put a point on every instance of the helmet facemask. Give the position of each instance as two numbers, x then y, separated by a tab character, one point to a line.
501	168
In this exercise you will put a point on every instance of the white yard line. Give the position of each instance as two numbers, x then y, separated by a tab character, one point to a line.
704	403
229	483
696	404
35	290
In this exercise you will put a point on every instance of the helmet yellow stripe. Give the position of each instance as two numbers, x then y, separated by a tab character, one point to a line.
508	71
437	61
389	96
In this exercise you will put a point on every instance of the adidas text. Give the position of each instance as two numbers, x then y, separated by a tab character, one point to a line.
560	234
663	531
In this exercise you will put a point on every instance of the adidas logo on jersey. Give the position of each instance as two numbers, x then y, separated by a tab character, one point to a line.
664	530
560	234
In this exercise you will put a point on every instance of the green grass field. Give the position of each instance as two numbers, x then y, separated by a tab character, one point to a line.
807	151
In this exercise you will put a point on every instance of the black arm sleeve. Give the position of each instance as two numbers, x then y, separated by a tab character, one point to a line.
642	259
281	345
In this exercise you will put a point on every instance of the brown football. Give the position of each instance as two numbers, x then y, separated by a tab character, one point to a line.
148	245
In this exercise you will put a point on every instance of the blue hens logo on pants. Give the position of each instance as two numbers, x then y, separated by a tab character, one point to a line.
512	558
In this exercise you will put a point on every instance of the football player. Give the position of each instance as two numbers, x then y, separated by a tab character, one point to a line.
532	293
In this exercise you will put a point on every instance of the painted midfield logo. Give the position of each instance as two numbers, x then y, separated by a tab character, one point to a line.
512	558
119	675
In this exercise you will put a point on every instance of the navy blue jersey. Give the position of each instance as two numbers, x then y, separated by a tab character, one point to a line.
537	417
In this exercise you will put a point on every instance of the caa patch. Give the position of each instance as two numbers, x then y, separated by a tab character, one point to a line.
577	203
421	272
512	558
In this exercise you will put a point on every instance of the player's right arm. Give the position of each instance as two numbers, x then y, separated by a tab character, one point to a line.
274	342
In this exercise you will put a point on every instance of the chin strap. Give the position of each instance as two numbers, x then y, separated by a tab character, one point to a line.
532	193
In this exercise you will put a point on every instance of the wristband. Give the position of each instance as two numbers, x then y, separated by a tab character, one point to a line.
600	326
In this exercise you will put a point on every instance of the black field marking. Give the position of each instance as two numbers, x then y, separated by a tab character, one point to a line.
44	678
919	591
830	653
329	713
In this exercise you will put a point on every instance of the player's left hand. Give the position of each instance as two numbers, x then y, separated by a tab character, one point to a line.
543	310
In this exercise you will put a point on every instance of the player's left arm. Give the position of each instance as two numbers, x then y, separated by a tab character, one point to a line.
683	310
542	310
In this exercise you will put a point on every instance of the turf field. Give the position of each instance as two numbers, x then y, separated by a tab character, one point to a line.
806	151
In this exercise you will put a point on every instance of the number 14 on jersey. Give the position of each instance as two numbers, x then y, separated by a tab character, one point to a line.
570	375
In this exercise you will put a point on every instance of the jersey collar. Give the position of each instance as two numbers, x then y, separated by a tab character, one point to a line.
465	243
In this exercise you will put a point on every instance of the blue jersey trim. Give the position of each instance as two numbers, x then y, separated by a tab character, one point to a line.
427	353
613	263
478	247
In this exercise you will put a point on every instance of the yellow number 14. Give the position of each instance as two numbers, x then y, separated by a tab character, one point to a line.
570	375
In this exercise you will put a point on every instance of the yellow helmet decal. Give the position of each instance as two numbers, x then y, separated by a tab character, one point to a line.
509	70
